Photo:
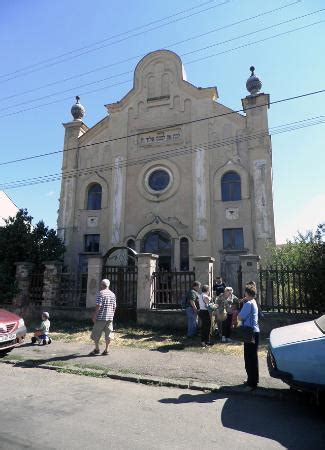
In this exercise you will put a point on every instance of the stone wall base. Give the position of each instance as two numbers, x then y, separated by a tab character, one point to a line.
32	314
171	319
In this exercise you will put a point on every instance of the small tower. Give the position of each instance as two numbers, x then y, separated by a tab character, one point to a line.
255	106
66	219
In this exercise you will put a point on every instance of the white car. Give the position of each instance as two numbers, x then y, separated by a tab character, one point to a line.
297	355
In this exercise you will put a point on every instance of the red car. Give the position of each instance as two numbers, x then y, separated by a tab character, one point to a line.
12	331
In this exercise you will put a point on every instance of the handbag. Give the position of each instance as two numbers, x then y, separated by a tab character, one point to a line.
247	332
221	315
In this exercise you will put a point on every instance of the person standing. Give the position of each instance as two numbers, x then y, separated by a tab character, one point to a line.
231	305
204	314
103	317
249	317
192	298
218	286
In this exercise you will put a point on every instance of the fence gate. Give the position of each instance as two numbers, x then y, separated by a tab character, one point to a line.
124	282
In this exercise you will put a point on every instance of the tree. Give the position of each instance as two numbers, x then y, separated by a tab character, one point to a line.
305	252
21	241
301	263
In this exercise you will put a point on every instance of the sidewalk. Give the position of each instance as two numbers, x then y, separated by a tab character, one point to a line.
196	370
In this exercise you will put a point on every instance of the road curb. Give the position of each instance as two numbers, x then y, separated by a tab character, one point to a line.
153	380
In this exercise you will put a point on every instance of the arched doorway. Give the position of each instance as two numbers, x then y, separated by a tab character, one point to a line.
159	243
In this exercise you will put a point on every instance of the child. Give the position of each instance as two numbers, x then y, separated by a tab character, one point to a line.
42	333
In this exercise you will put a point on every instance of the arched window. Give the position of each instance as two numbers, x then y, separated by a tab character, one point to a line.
159	243
94	197
230	187
184	254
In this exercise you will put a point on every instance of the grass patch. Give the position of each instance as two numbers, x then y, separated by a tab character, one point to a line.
129	335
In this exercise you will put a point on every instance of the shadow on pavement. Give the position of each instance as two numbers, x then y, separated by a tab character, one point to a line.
191	398
295	426
168	347
30	363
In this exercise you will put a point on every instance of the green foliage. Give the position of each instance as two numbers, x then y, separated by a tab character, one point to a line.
304	258
305	252
21	241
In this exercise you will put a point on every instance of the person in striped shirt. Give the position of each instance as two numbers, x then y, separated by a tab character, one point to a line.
103	317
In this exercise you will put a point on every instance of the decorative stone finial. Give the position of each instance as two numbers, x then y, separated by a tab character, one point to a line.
253	84
77	110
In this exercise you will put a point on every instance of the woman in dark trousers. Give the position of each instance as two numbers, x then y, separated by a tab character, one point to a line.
249	317
204	315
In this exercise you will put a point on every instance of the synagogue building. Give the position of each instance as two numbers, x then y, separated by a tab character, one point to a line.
171	171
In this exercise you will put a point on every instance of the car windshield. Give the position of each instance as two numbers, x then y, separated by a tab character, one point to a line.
321	323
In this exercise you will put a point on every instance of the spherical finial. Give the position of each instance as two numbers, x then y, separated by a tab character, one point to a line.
253	84
77	110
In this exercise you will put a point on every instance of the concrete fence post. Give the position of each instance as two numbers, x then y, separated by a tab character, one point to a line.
23	279
250	266
95	269
51	282
204	270
147	264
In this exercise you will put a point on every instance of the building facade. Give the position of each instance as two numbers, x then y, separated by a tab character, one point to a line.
169	171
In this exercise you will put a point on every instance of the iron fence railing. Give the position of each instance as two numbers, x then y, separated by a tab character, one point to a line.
124	283
293	291
72	290
170	287
36	287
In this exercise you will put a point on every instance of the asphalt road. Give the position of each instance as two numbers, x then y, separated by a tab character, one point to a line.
43	409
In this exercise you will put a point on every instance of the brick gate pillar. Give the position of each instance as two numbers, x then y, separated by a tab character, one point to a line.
23	279
51	282
95	269
147	264
204	270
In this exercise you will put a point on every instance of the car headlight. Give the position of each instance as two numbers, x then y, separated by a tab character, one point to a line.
21	323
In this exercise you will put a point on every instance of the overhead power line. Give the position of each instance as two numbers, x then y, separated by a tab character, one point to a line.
159	129
166	127
131	58
171	153
187	63
16	75
182	55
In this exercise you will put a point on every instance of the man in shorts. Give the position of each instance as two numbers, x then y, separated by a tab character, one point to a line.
103	317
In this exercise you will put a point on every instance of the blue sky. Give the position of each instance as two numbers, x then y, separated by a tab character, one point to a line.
288	65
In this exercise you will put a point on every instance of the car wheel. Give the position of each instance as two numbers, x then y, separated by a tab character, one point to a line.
50	340
44	342
33	340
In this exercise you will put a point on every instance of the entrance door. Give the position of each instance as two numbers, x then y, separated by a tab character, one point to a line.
229	271
159	243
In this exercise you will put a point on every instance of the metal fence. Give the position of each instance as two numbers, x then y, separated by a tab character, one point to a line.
292	291
170	287
72	290
36	288
124	283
